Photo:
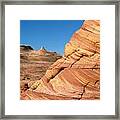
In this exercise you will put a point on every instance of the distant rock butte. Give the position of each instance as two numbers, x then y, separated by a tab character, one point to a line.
28	53
77	74
25	48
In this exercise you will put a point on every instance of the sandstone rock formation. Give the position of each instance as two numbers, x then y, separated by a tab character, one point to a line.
27	53
77	74
33	64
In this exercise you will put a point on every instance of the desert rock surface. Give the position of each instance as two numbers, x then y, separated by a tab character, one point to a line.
77	74
33	64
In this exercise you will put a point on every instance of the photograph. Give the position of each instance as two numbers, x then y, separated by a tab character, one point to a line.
59	60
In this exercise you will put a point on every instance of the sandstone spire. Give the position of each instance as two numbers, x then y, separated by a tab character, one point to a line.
42	48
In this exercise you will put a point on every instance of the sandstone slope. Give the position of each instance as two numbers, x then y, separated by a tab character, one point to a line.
33	64
77	74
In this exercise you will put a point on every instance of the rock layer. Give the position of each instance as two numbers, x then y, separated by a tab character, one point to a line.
77	74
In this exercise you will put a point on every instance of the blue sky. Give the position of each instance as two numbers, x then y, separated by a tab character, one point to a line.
52	34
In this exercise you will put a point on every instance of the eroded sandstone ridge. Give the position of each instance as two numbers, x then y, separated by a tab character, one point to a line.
77	74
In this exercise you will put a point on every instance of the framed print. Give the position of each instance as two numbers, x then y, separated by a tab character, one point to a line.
60	59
